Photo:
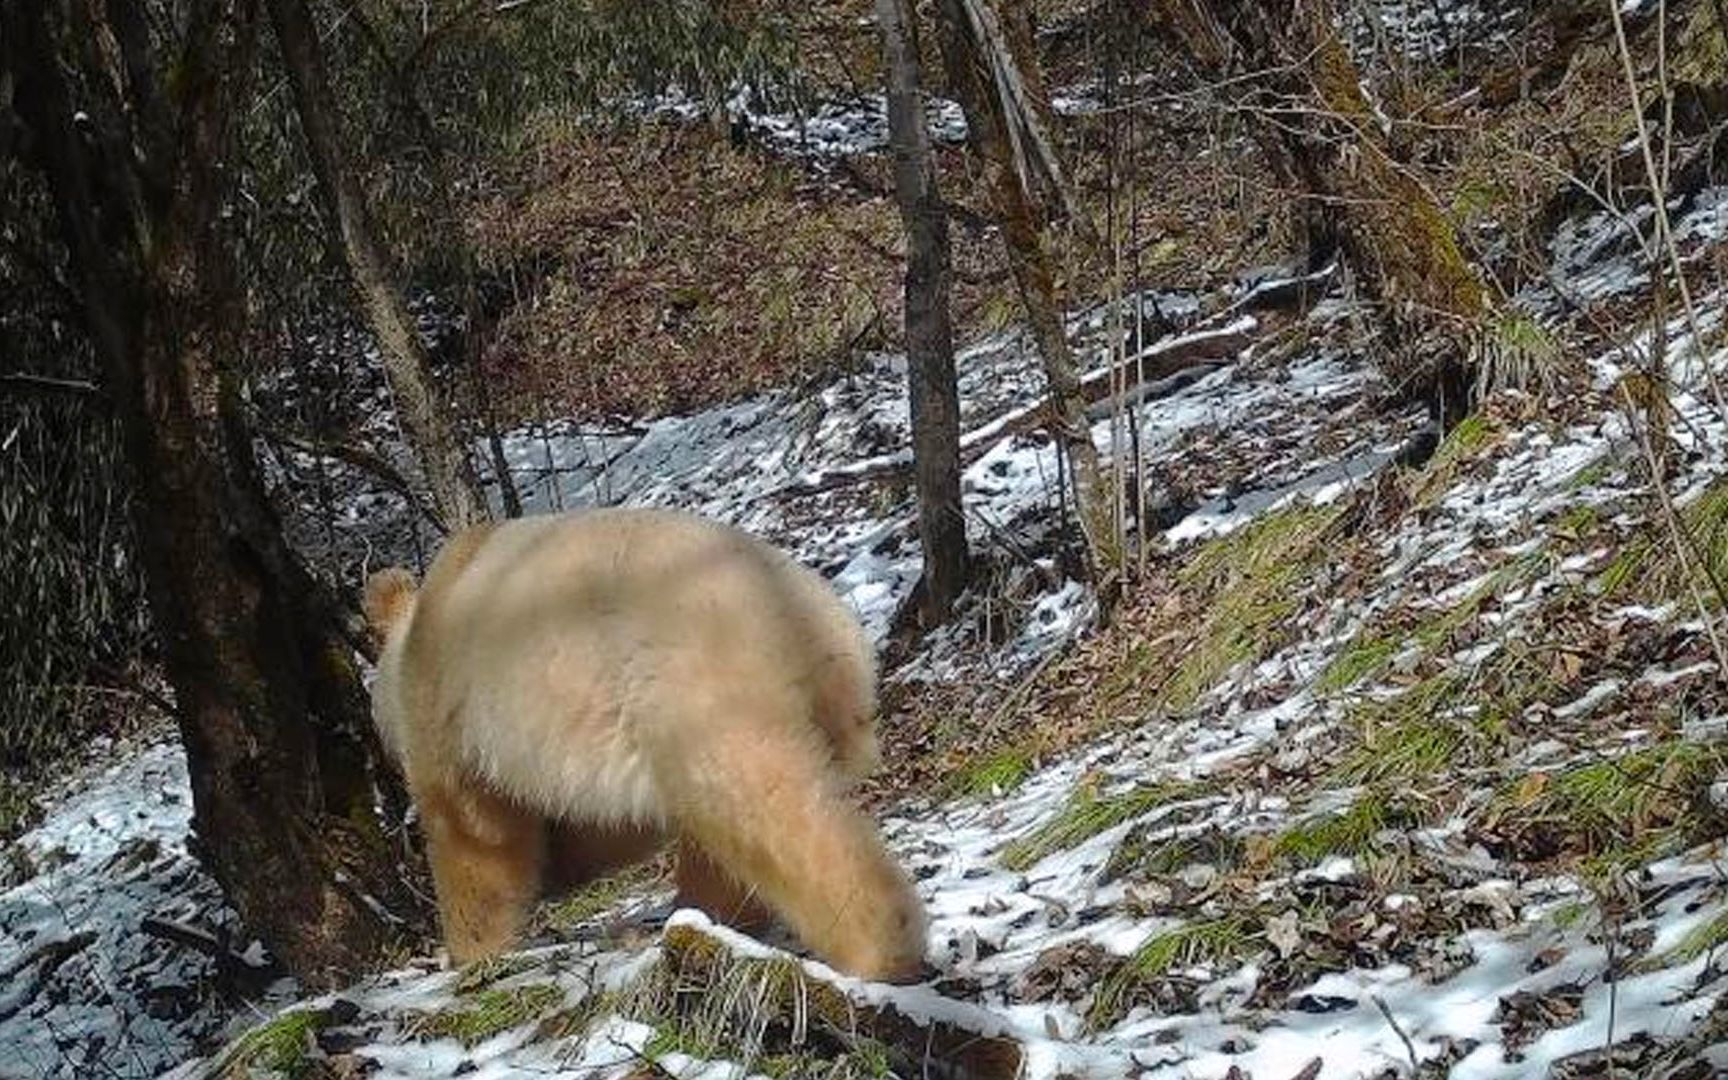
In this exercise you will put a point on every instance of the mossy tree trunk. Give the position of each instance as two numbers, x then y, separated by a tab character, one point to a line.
929	324
1324	139
267	698
993	70
444	460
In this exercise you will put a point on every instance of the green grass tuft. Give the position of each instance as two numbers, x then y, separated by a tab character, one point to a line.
1619	813
1648	568
1350	832
1252	579
1624	569
483	973
17	809
1590	475
1371	652
1570	914
1087	814
282	1046
1519	352
672	1037
486	1013
1625	793
1213	942
1407	737
1000	772
1414	748
576	1021
1364	658
594	899
1707	937
1466	439
1141	855
1579	521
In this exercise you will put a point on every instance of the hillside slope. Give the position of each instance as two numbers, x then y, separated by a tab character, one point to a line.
1379	770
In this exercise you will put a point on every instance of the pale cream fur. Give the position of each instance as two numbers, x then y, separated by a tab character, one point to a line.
566	693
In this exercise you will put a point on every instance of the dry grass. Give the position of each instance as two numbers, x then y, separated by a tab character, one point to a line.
655	268
1201	612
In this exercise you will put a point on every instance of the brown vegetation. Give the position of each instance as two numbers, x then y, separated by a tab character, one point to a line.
654	267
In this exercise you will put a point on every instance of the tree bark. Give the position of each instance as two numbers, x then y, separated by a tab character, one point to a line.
267	698
929	324
995	108
1324	138
449	473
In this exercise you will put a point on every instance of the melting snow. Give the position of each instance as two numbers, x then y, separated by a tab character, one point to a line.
115	849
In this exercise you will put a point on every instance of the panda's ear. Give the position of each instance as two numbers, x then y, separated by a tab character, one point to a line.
388	600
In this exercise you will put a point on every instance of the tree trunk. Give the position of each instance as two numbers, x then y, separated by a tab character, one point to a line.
975	59
929	326
449	474
1324	138
405	97
267	698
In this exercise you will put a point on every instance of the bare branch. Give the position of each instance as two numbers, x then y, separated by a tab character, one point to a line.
50	384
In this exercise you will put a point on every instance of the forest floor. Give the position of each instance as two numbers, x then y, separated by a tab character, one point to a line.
1377	767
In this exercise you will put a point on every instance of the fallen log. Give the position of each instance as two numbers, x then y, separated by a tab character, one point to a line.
1298	293
1162	359
963	1043
1147	368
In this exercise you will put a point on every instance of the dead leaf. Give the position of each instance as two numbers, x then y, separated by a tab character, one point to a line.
1284	933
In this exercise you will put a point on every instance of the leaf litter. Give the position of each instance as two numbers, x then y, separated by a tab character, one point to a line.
1543	894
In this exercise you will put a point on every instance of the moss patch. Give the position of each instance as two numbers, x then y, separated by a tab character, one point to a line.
770	1015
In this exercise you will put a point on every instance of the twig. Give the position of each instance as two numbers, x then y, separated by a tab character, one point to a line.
1664	238
1611	946
1392	1022
356	456
194	938
50	384
213	945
